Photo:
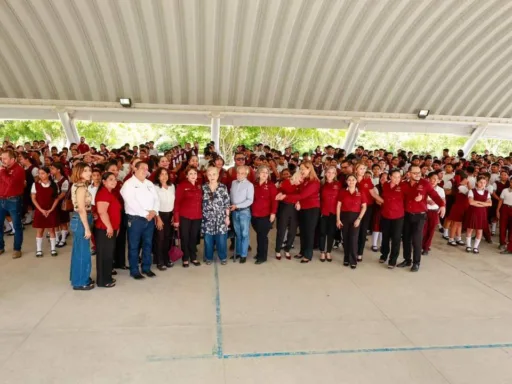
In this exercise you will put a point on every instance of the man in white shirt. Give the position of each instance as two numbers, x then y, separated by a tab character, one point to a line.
142	206
152	150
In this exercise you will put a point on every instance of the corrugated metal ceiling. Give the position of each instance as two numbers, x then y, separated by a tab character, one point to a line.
389	56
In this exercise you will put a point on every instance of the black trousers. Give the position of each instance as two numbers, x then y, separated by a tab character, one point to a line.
350	236
391	231
413	236
105	249
120	252
189	233
162	239
308	220
327	232
287	218
262	227
363	228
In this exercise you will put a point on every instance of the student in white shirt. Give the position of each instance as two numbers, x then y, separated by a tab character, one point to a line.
432	213
504	214
142	206
162	239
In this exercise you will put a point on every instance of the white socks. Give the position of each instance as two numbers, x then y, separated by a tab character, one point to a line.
64	236
39	244
468	242
446	231
493	226
57	236
477	243
375	238
53	241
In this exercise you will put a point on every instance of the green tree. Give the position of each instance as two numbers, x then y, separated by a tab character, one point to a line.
20	131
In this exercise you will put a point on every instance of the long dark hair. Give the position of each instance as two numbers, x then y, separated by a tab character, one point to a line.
53	185
158	172
104	177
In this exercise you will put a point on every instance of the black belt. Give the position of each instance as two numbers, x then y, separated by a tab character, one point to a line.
419	213
241	209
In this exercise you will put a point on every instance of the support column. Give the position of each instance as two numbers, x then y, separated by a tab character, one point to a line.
215	131
352	135
477	133
69	127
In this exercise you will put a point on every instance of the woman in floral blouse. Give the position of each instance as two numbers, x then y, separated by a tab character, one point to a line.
215	216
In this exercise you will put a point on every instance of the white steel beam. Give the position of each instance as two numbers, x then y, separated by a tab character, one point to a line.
475	136
69	127
215	127
352	135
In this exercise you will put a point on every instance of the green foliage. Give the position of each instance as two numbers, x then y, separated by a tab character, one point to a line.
301	139
20	131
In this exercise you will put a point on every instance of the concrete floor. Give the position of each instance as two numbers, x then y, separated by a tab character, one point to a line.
281	322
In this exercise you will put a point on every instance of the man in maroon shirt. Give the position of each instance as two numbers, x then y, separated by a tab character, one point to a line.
82	147
12	184
415	192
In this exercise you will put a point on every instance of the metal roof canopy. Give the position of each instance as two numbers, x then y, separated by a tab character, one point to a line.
303	63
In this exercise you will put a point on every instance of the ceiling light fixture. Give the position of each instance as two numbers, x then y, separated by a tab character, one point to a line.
126	103
423	113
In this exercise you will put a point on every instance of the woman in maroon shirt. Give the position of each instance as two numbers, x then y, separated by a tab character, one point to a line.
328	200
366	187
349	214
287	215
307	202
263	209
106	228
188	215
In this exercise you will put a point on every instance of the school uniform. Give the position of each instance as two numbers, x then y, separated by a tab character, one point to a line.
365	186
476	217
287	217
351	206
432	220
264	205
506	217
460	205
45	197
309	198
328	200
64	186
392	221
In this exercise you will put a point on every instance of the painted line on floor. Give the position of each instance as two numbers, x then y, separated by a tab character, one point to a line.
218	316
259	355
366	350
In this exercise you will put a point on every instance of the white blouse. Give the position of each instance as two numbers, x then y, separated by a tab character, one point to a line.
166	197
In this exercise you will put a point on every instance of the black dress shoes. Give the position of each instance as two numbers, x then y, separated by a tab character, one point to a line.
138	276
259	262
404	264
149	274
243	260
415	268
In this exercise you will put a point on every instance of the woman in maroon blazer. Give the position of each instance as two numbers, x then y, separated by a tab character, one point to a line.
188	215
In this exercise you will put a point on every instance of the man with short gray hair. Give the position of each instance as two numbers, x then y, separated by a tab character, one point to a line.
242	197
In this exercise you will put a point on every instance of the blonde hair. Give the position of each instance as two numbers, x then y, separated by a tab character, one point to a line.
312	173
330	167
78	169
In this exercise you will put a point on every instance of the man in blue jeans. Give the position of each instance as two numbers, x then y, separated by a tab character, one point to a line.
242	197
12	184
141	206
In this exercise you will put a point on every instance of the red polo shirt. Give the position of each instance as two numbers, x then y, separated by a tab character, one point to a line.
393	206
113	210
265	202
329	198
188	202
12	181
287	189
422	188
83	148
309	194
365	186
351	202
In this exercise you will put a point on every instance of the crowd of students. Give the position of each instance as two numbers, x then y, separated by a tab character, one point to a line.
132	204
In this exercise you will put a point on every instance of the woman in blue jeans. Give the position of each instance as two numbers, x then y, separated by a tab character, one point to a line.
215	216
81	222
